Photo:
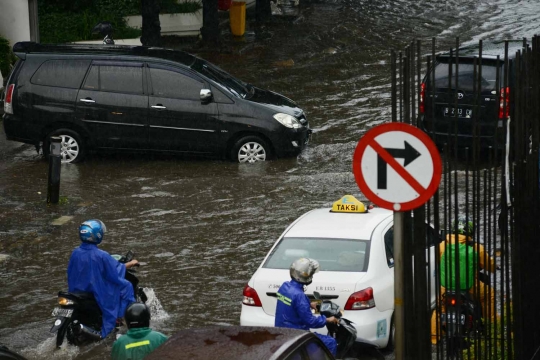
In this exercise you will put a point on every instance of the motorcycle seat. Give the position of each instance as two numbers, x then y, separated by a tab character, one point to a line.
81	295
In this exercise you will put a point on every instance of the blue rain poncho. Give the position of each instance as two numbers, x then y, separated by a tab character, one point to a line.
93	270
293	310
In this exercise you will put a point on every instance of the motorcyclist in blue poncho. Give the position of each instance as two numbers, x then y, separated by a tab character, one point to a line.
294	308
93	270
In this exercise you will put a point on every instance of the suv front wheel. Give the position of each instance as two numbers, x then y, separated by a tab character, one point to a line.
250	149
71	146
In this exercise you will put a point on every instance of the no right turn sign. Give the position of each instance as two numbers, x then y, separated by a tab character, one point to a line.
397	166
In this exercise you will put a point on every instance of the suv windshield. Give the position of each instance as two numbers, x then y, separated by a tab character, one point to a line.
466	77
332	254
234	85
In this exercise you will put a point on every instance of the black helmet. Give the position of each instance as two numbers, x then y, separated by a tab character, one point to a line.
137	316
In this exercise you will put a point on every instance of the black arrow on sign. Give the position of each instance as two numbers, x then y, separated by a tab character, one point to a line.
409	154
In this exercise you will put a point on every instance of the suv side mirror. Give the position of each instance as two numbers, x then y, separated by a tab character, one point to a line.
206	96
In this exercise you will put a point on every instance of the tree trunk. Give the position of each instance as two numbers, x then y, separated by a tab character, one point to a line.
263	11
151	28
210	29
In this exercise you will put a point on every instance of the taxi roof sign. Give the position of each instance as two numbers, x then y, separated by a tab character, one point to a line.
349	204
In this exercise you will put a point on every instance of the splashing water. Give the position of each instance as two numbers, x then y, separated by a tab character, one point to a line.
156	310
47	350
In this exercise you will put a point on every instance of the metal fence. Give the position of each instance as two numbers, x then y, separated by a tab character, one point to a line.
489	138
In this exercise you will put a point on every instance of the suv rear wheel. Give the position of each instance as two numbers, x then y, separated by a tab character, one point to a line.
250	149
72	147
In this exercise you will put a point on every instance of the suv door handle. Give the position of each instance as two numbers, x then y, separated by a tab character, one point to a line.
87	100
158	106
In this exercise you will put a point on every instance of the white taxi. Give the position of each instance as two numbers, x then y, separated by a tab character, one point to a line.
354	247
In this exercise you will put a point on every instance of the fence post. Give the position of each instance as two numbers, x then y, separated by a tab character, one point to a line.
53	185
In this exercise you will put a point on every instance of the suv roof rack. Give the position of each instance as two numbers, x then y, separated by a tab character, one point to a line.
490	49
168	54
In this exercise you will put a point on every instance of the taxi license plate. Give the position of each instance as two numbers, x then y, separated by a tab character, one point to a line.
62	312
461	113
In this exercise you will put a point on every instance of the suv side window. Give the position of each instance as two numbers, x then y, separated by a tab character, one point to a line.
173	84
61	73
124	78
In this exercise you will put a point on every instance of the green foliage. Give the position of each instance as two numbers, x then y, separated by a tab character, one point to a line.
491	346
7	58
72	20
165	7
184	6
67	21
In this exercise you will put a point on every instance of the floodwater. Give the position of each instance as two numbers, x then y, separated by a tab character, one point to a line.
201	227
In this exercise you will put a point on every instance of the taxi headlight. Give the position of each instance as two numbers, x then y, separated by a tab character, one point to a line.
288	120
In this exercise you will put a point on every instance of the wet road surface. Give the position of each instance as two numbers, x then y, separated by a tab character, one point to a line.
201	227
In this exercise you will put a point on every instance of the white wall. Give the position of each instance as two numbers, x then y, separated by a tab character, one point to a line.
14	21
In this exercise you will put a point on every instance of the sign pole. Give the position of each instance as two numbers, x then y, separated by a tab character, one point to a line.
399	311
398	167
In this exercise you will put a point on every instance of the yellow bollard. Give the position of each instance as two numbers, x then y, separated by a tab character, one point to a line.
237	17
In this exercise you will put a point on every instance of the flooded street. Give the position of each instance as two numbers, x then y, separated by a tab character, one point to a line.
201	227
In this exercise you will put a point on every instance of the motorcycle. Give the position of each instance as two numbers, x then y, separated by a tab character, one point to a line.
78	316
105	29
461	318
348	345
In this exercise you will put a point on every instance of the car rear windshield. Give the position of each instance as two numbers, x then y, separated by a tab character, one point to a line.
332	254
465	79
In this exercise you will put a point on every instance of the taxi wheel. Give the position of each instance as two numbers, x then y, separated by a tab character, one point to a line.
250	149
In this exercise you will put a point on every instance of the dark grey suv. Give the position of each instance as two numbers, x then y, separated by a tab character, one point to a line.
462	96
134	98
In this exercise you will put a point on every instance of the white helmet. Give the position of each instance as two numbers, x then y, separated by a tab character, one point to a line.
303	269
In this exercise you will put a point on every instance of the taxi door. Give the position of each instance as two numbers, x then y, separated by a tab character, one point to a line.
433	240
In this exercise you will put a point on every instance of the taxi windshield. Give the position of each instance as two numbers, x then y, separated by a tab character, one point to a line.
332	254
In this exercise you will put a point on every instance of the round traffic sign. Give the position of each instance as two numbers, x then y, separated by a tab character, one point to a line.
397	166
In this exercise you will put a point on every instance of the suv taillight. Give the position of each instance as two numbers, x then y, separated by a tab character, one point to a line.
361	300
250	297
8	107
504	110
421	106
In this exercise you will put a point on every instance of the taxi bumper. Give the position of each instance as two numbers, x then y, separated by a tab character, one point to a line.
371	325
255	316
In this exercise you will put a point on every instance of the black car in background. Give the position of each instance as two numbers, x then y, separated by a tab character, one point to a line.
482	95
135	98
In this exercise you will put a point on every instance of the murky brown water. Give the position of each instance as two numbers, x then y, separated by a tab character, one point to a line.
201	227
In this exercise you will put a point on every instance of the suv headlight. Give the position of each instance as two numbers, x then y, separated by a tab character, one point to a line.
288	120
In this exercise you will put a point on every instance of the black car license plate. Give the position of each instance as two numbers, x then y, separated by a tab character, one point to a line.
62	312
452	318
461	113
